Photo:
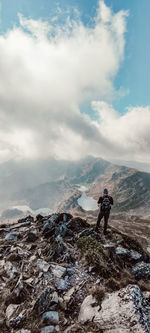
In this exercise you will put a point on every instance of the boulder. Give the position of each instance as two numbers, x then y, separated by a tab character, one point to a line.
16	322
50	317
12	236
62	284
43	302
28	218
121	251
135	256
39	217
129	255
31	236
48	225
58	271
53	217
77	224
86	232
19	287
55	298
141	270
65	218
50	329
122	311
61	230
11	309
43	265
11	270
58	250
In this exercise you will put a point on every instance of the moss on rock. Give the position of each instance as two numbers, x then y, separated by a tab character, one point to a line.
93	252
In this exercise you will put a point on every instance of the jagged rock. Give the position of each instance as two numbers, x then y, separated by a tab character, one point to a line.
123	311
67	278
16	322
65	218
19	287
134	255
43	302
32	258
58	250
50	329
31	236
69	294
11	310
129	255
50	317
39	217
62	284
121	251
141	270
146	295
86	232
48	225
70	271
55	298
68	257
53	218
11	270
2	263
12	236
61	230
77	224
43	265
28	218
58	271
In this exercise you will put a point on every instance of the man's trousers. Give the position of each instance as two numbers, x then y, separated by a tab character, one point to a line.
106	217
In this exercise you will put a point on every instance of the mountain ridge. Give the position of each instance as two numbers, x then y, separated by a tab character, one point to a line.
52	183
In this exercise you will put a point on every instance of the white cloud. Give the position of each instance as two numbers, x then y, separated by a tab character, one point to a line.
128	133
46	72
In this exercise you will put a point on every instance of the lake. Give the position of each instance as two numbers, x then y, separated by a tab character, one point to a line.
87	203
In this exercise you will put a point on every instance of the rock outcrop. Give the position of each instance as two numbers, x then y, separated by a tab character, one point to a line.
59	275
122	311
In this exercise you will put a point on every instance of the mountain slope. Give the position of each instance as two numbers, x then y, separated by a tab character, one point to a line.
129	187
58	184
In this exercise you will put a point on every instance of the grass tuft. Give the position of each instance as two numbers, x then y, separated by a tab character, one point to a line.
93	252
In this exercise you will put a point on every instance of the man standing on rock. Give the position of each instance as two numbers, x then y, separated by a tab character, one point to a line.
106	201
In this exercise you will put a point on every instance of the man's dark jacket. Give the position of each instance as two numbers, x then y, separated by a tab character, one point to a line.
100	200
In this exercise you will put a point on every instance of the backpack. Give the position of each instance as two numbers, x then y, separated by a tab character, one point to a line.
105	206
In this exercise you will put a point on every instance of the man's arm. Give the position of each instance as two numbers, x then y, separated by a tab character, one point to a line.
111	201
99	200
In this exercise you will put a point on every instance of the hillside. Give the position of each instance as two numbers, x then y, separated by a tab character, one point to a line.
129	187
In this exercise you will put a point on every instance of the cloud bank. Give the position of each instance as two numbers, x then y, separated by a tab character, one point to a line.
128	133
47	72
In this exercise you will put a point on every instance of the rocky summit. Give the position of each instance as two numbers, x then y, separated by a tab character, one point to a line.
59	275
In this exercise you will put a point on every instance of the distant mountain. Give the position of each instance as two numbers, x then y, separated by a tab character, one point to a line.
57	184
129	187
141	166
50	194
44	182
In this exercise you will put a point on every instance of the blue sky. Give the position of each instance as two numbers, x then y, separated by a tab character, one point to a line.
74	79
134	73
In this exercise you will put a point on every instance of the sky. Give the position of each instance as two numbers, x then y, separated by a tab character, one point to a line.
74	79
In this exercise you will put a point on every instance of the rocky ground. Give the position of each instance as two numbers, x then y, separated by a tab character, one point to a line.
58	275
